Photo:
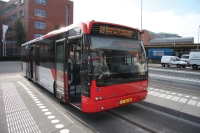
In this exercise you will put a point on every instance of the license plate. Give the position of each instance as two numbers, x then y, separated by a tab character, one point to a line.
125	101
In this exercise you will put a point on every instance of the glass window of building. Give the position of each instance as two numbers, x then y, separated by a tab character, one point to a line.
21	2
40	25
21	13
43	2
11	29
9	9
39	12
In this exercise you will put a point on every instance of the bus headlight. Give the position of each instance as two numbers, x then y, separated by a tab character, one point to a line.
96	98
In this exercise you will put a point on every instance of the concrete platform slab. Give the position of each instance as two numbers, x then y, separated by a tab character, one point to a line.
180	105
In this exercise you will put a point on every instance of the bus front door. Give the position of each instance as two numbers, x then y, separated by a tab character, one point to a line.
60	74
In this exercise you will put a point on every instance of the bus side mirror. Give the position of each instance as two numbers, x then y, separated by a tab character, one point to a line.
27	47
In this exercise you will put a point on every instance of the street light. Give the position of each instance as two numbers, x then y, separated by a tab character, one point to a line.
141	15
198	39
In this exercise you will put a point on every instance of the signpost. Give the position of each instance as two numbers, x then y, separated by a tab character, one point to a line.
5	28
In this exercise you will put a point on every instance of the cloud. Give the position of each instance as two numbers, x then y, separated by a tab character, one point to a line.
128	12
185	25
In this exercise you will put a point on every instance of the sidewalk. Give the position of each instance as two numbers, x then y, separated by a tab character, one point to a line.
177	104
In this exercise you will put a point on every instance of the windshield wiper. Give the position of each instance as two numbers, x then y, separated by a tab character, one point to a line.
113	75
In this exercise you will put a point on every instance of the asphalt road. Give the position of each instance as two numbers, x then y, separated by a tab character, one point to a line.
10	68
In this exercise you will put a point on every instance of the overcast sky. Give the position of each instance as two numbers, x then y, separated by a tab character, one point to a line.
172	16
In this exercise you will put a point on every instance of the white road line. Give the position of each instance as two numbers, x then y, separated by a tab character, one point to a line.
183	100
151	92
198	104
156	94
175	98
177	71
192	102
162	95
173	77
168	96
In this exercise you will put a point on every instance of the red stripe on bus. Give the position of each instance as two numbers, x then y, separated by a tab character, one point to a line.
53	74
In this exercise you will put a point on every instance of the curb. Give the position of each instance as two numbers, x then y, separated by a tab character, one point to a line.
169	111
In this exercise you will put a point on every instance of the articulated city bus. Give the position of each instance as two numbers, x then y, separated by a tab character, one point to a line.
94	66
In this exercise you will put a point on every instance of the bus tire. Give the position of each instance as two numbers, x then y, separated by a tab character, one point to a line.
163	64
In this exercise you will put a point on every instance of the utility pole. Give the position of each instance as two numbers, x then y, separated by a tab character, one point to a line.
141	15
198	39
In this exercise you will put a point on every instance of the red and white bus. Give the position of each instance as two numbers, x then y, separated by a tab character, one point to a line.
94	66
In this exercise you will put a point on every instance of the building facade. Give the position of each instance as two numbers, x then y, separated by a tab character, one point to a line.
38	17
151	38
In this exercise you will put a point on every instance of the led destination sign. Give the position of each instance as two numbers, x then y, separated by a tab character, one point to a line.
111	30
115	31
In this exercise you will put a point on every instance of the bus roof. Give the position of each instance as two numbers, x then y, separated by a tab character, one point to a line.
85	26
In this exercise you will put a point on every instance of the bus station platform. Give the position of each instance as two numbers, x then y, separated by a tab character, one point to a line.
180	105
24	109
174	102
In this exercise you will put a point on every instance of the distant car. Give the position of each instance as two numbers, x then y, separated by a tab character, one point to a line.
195	59
185	57
173	60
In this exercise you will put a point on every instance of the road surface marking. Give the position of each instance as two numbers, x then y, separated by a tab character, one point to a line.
192	102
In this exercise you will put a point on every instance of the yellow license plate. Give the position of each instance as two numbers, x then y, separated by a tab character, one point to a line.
125	101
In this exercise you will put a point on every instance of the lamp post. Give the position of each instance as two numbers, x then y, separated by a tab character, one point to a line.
141	15
198	39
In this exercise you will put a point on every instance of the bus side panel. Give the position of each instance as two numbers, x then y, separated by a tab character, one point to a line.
45	78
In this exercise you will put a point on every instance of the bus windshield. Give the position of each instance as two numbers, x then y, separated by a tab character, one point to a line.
117	60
